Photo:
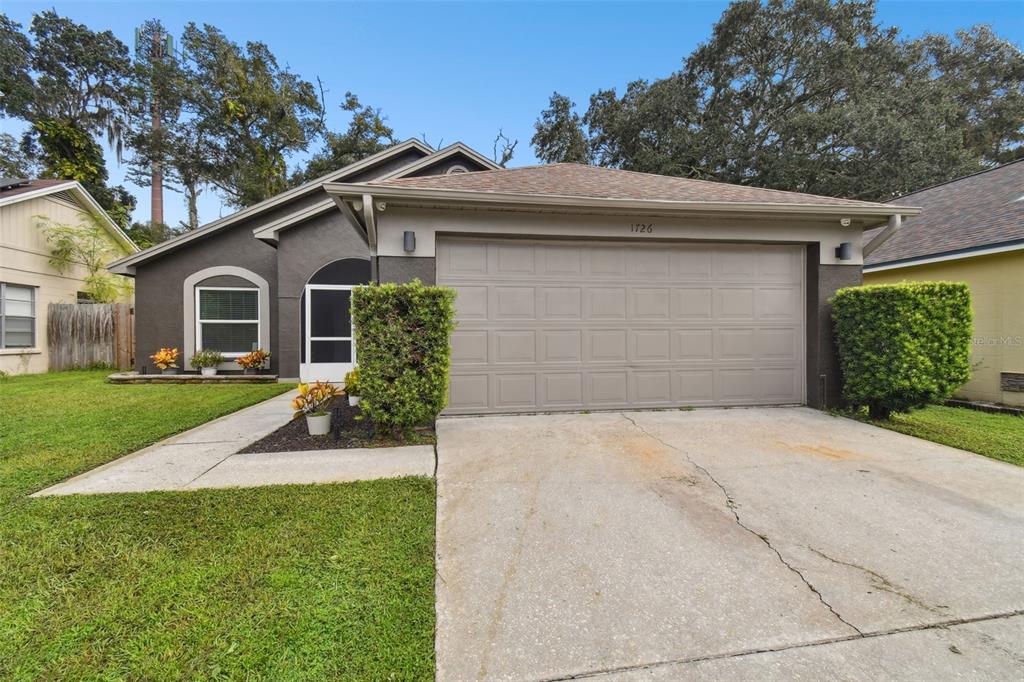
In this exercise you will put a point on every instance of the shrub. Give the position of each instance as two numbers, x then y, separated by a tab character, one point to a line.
165	358
314	399
207	358
254	360
403	339
902	346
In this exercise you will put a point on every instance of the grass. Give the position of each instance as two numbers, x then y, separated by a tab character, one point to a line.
999	436
279	583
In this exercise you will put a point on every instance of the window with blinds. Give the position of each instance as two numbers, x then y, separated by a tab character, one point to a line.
228	320
17	316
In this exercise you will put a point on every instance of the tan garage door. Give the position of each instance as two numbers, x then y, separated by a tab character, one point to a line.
546	326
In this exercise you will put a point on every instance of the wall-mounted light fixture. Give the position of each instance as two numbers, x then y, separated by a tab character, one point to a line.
843	252
409	241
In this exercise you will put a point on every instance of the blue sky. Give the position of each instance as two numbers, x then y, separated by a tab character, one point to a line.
459	71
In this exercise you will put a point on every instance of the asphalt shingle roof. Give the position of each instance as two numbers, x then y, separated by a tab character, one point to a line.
577	180
979	210
32	186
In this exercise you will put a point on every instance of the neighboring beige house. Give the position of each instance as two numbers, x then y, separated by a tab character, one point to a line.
28	283
970	230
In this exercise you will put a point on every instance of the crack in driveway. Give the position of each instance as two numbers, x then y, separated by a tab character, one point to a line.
731	506
788	647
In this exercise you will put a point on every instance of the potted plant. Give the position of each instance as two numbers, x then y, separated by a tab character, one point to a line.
166	359
207	361
352	386
253	362
314	401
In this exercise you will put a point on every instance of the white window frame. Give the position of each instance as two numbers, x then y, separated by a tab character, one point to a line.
200	321
3	316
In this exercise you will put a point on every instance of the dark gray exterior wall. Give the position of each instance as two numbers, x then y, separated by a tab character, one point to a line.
402	269
301	251
159	295
824	377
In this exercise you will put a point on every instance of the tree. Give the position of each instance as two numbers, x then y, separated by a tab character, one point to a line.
504	148
559	135
813	96
150	234
368	133
71	85
14	162
88	246
251	113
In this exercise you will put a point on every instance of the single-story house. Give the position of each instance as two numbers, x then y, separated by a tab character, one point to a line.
28	281
578	287
970	230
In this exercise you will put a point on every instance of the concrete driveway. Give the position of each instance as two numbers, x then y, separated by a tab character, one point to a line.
723	544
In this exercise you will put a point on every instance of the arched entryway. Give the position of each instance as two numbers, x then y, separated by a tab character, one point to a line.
328	347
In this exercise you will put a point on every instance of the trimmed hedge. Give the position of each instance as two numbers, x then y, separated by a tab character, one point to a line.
403	337
902	346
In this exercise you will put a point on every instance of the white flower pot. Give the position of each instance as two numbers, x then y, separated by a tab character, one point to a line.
353	400
169	370
208	371
318	424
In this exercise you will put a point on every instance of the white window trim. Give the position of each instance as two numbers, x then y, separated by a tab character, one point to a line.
200	321
189	308
3	319
309	323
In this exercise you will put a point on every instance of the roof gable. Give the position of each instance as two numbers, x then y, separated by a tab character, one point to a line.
959	217
274	204
67	189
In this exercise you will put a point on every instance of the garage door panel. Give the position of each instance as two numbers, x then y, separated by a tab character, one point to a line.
469	347
693	344
561	303
550	326
649	304
514	346
692	304
607	345
562	390
561	345
515	391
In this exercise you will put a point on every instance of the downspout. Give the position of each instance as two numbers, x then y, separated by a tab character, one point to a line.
895	222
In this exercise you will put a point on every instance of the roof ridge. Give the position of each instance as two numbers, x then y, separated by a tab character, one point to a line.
951	181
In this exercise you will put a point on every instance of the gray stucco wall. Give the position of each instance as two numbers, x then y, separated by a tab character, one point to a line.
158	288
405	269
301	251
824	378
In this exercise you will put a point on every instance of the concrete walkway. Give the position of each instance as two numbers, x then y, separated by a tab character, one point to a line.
205	457
743	544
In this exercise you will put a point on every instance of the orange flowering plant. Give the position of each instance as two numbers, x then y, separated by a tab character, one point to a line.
165	358
254	360
314	399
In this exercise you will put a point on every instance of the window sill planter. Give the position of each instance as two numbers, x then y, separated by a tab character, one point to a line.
318	424
208	371
353	400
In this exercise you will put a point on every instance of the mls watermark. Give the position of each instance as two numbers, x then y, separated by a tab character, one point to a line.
1017	340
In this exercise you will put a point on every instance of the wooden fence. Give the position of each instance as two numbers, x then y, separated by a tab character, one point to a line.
86	335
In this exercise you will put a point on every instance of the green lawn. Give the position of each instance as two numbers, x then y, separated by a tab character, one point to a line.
279	583
998	436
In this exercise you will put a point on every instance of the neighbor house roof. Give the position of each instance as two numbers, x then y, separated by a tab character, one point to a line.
15	190
979	214
578	180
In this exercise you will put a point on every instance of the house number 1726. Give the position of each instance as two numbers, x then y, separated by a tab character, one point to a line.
642	227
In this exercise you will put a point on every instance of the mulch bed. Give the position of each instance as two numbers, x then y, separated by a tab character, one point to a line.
346	432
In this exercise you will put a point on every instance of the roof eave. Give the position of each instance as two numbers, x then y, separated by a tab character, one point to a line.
541	201
958	254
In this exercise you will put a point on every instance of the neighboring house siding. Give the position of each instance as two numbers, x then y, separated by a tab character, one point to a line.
302	251
159	296
997	294
24	260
